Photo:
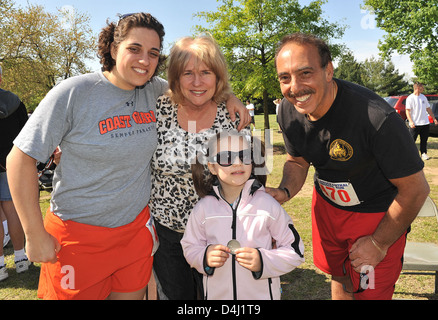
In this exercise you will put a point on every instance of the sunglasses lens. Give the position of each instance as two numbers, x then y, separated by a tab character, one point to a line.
224	158
227	158
245	156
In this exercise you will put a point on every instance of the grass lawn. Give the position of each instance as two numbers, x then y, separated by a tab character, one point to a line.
304	283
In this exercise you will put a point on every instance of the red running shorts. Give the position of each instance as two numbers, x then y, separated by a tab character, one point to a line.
95	261
334	231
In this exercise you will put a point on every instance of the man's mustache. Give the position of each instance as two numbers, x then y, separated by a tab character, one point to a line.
301	93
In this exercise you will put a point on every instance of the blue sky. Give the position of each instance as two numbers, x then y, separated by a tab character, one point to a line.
361	35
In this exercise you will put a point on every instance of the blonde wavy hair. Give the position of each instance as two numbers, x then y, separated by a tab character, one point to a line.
205	49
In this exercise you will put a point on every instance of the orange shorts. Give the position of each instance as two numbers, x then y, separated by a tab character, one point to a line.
95	261
334	231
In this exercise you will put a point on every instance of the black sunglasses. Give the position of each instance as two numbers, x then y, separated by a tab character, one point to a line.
227	158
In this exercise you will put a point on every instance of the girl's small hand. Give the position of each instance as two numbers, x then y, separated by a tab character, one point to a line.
249	258
217	255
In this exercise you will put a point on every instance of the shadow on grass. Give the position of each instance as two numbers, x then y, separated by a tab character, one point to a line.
431	144
305	284
279	149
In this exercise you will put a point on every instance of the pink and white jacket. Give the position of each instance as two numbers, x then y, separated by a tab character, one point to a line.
255	222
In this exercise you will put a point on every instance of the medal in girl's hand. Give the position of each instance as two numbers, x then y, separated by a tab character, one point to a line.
233	245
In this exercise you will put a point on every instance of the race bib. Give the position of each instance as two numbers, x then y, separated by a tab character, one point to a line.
151	227
341	193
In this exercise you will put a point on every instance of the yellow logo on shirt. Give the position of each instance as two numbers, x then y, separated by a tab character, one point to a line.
341	150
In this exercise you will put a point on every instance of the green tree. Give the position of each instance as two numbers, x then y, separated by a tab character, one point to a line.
377	75
411	27
381	77
39	48
248	31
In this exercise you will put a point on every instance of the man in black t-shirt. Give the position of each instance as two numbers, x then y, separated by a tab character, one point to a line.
365	170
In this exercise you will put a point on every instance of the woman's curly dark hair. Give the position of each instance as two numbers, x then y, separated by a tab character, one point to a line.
115	33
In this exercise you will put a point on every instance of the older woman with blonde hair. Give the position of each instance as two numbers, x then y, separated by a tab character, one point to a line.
191	113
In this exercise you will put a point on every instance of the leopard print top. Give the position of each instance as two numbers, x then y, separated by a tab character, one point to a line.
173	195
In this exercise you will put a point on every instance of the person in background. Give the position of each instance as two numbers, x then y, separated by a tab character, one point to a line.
194	109
13	117
4	221
277	105
251	110
6	237
417	112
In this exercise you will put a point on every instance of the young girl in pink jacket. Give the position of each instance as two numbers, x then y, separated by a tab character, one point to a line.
230	233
